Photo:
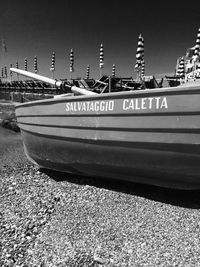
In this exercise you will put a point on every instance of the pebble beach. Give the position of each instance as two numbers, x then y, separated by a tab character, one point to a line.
54	219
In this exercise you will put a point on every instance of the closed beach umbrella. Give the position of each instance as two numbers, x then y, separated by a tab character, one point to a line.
139	52
5	72
53	58
101	57
197	46
71	61
88	72
35	64
181	68
113	70
2	73
25	64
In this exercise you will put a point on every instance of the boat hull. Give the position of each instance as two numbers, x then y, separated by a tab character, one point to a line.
147	137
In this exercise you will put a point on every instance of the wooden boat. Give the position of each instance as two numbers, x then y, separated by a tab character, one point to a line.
146	136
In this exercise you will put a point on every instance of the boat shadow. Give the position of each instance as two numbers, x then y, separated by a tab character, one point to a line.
181	198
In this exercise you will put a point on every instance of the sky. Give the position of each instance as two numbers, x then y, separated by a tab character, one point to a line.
40	27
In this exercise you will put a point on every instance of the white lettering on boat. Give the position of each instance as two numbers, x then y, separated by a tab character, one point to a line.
145	103
107	105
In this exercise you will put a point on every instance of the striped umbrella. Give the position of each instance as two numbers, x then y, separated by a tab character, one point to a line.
25	64
197	46
113	70
2	73
181	68
71	61
101	57
35	64
139	52
88	72
53	58
5	72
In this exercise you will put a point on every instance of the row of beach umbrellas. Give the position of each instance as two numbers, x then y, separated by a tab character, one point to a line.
139	67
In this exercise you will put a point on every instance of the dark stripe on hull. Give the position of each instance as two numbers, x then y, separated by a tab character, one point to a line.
152	130
175	147
115	115
116	136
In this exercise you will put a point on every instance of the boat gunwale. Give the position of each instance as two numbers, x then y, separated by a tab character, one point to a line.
116	95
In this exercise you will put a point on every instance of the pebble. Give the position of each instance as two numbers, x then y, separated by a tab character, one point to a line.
100	260
10	188
129	251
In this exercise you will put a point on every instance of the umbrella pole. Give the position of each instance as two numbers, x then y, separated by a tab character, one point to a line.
109	88
101	73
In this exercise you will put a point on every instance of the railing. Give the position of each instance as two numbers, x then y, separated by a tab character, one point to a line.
20	91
